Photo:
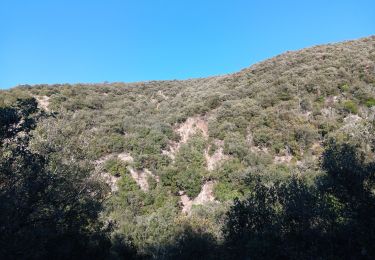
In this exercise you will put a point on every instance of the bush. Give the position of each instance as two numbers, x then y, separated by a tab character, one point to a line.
235	145
370	102
187	172
190	181
306	104
350	106
115	167
344	88
225	191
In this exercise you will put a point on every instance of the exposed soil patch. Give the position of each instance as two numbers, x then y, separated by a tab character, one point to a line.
106	177
110	180
286	158
214	160
205	196
161	94
125	157
257	149
186	130
351	120
139	176
43	102
283	159
328	112
191	126
253	147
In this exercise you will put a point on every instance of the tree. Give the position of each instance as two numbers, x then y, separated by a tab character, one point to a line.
334	218
350	183
48	209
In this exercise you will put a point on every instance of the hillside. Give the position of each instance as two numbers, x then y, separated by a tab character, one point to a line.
177	153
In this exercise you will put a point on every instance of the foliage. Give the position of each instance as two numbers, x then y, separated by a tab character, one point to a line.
232	181
188	170
115	167
270	120
350	106
370	102
48	208
345	87
294	220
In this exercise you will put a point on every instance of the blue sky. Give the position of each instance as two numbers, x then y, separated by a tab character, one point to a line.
90	41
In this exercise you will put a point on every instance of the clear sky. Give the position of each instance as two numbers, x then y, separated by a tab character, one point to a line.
71	41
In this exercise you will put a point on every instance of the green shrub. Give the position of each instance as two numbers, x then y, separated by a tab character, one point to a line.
168	178
151	182
213	102
320	99
305	135
306	104
188	170
235	145
116	167
350	106
152	161
225	191
370	102
231	178
190	181
262	136
344	88
191	166
213	148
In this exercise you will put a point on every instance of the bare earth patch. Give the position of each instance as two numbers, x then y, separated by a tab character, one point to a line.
253	147
125	157
351	121
286	158
283	159
103	159
43	102
205	196
106	177
161	94
328	112
140	176
110	180
213	161
186	130
257	149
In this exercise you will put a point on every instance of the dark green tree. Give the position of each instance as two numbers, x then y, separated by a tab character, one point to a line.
48	209
331	219
350	182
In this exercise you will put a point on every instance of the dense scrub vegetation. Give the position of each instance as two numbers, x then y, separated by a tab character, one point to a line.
49	208
287	147
332	218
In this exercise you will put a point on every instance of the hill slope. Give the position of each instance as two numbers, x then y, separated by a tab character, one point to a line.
166	147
